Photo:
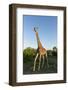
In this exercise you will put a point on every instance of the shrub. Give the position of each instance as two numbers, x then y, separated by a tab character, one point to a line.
29	53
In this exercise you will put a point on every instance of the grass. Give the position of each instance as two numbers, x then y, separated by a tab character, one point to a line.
28	66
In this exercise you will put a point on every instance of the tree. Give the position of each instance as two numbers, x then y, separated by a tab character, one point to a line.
49	52
54	51
29	53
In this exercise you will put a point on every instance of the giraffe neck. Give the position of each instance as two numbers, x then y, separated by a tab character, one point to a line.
38	41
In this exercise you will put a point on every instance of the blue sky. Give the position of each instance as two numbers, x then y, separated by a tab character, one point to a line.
47	30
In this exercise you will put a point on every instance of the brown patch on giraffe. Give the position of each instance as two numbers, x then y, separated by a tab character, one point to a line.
42	51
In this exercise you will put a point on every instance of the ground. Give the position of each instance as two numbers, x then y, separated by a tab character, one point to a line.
28	66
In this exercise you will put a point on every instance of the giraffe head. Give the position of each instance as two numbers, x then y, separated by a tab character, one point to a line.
35	29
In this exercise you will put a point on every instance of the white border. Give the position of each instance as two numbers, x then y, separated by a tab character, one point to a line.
40	77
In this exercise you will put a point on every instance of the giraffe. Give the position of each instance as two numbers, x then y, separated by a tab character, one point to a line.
41	52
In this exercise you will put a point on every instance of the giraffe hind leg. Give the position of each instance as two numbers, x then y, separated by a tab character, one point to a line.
47	60
39	63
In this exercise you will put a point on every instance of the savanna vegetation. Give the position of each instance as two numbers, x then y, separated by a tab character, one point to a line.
28	61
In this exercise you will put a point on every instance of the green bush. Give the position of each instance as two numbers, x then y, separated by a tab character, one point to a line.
29	53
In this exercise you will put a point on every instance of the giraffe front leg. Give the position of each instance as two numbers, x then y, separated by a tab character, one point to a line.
35	62
43	62
39	63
